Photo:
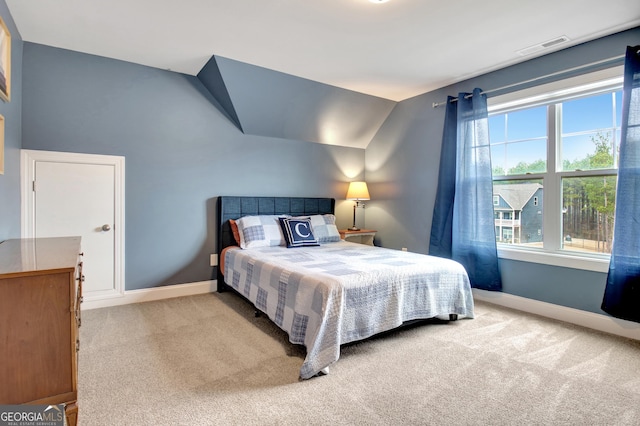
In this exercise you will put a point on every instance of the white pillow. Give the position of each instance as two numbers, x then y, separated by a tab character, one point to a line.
260	231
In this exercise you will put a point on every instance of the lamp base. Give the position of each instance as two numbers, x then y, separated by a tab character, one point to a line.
354	227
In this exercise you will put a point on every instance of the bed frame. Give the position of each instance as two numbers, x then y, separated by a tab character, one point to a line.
229	207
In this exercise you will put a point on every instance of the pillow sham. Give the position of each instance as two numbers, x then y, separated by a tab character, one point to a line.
260	231
298	232
324	228
234	231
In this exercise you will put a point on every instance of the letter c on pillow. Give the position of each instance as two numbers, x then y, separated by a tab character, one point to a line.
299	232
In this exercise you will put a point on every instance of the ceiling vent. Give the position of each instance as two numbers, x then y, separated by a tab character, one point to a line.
546	45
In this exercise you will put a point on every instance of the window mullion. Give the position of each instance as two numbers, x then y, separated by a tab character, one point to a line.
614	135
552	194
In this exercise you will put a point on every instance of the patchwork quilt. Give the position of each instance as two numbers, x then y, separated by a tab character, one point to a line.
340	292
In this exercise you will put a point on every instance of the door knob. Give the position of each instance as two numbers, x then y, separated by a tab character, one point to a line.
106	227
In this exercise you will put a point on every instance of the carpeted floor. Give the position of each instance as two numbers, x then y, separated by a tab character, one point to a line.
206	360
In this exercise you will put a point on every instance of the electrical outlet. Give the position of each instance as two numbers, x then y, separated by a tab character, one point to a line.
214	260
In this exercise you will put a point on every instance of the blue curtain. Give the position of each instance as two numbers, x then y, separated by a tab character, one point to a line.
441	229
622	293
463	227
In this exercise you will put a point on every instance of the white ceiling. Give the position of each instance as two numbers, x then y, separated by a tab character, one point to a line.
393	50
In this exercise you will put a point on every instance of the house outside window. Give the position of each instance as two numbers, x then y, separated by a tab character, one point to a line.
517	212
555	159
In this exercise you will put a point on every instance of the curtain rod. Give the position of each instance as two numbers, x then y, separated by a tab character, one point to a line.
521	83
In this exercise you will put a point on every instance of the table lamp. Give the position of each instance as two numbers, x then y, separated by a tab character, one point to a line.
358	192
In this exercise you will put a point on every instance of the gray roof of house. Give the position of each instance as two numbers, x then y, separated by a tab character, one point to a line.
516	195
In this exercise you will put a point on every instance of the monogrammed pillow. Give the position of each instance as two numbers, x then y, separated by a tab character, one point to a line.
298	232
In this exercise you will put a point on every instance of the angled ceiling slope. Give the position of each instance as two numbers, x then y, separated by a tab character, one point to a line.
269	103
210	77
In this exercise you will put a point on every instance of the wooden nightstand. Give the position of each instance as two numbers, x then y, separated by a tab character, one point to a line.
363	236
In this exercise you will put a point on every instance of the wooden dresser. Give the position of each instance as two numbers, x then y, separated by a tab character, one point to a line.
40	295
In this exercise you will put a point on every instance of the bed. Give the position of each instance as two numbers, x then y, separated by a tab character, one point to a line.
335	292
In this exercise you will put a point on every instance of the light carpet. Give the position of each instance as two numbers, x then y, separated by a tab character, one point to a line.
206	360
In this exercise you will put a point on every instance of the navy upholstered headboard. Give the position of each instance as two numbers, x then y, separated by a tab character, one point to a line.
236	207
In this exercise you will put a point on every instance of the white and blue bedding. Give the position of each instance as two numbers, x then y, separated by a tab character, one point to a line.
340	292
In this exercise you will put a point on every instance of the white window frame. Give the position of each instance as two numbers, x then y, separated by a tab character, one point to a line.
563	90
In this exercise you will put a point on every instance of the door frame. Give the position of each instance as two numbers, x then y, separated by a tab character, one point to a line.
28	159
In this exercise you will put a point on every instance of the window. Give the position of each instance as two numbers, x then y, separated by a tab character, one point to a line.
555	159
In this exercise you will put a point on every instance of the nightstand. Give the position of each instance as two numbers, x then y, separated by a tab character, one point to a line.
363	236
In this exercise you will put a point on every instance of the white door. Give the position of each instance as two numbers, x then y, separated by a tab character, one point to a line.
78	195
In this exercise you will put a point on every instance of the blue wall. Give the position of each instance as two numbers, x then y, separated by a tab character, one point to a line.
12	113
181	152
402	172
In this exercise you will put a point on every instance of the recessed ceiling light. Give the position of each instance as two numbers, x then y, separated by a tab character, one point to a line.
378	1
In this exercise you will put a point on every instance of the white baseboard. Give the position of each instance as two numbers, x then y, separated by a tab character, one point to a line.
592	320
154	293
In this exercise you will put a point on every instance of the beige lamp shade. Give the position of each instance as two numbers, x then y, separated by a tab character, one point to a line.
358	191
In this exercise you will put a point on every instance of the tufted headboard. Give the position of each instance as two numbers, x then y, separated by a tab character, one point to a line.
235	207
